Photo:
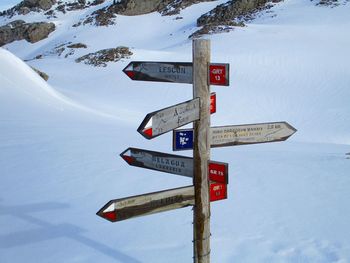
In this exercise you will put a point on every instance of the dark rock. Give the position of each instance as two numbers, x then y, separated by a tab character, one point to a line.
77	45
232	13
330	3
41	74
168	8
38	31
18	30
102	57
106	15
27	6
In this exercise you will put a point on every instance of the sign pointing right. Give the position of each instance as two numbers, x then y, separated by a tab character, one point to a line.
231	135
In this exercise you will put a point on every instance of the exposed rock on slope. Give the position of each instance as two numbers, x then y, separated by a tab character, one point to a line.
232	13
41	74
18	30
105	16
27	6
102	57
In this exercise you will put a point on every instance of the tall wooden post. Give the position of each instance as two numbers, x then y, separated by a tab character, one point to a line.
201	151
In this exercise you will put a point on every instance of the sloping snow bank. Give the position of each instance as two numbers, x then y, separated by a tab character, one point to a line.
24	94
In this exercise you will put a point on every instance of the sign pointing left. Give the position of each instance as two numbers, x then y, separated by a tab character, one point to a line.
151	203
173	164
165	120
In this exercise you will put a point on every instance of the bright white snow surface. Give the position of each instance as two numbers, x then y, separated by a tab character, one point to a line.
60	142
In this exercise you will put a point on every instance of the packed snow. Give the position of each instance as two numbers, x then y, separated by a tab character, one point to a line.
60	141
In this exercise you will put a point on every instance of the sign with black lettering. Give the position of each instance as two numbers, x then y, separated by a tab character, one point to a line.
151	203
163	162
176	72
231	135
165	120
146	204
171	163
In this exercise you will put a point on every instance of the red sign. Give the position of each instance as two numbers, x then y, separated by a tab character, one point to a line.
219	74
218	172
212	102
218	192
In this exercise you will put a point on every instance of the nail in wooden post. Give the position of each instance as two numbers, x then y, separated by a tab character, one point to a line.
201	151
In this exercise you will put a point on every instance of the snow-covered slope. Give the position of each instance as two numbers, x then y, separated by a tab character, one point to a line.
59	142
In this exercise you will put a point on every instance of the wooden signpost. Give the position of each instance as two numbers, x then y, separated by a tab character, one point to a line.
210	178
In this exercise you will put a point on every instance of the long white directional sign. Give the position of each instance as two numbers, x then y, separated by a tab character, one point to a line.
168	163
174	164
151	203
177	72
125	208
237	135
250	133
165	120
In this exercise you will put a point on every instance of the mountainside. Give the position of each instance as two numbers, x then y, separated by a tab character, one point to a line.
60	140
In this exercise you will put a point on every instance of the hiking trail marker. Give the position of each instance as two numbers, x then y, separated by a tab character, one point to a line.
222	136
176	72
165	120
209	178
151	203
173	164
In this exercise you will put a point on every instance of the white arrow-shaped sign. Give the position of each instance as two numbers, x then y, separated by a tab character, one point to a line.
151	203
165	120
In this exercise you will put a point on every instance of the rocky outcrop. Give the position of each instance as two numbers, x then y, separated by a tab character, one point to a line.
49	6
106	16
19	30
232	13
102	57
27	6
331	3
175	6
43	75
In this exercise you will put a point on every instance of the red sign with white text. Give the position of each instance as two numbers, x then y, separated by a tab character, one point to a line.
218	192
219	74
218	172
212	102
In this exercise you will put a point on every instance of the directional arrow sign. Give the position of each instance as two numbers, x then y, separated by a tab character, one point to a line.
162	121
237	135
151	203
176	72
125	208
250	133
168	163
174	164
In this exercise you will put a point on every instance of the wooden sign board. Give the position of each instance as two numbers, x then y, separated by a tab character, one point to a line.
165	120
176	72
151	203
174	164
231	135
146	204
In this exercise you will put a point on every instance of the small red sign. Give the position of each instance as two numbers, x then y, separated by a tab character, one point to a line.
218	192
212	102
219	74
218	172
